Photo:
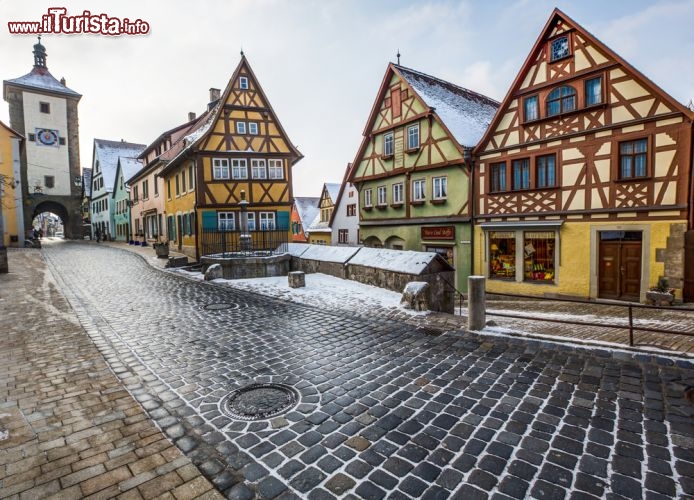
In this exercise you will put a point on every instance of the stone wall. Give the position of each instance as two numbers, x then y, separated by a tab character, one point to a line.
250	267
308	266
672	256
440	293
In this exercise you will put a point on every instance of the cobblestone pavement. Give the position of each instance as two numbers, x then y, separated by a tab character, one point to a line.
383	408
68	427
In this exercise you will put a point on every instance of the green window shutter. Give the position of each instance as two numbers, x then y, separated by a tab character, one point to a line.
283	221
209	220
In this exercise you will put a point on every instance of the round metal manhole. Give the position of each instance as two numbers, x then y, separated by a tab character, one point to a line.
260	401
220	306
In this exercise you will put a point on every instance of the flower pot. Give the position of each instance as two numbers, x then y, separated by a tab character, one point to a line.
162	250
659	298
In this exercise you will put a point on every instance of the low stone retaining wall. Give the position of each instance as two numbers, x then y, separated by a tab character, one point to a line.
249	267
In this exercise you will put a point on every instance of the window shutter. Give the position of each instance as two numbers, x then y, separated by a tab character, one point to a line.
209	220
283	221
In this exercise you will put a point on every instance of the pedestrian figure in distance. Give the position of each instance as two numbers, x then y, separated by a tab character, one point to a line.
97	233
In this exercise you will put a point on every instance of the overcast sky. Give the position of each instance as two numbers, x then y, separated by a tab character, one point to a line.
320	62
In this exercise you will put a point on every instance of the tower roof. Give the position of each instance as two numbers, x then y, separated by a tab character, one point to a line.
39	77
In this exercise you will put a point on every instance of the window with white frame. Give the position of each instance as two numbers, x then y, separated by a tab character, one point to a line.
258	169
275	169
418	190
440	187
191	178
413	136
251	221
267	220
220	168
226	221
239	169
381	193
388	140
367	198
240	127
253	128
243	83
398	190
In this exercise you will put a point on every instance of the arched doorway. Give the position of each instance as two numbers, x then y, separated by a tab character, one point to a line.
395	242
373	242
51	218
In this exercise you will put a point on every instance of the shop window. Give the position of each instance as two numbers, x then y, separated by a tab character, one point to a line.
502	255
538	256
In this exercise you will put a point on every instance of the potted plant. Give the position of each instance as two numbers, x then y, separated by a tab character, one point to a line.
661	293
162	249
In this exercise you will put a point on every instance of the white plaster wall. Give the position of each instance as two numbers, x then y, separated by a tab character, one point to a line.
47	160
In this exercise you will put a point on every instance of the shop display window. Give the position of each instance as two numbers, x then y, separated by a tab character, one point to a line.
538	256
502	255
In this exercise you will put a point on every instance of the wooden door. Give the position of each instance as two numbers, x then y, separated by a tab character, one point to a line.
619	271
688	292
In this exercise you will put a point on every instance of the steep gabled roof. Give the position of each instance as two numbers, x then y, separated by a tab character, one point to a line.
555	16
107	153
345	184
87	181
199	132
333	189
11	130
307	208
465	113
128	167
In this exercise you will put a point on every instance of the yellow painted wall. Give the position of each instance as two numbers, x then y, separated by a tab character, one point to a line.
9	210
576	271
178	205
323	238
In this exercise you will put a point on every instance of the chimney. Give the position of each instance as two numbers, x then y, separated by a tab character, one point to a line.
62	81
191	116
214	94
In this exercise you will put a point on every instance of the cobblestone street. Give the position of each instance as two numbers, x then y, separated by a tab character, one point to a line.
378	407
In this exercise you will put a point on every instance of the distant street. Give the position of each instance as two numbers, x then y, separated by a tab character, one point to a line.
376	408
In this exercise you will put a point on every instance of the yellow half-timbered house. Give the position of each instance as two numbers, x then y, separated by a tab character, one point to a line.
583	185
238	151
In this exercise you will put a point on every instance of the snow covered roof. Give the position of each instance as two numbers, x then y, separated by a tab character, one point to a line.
333	190
465	113
307	209
87	181
108	152
318	226
41	78
399	261
297	249
329	254
129	166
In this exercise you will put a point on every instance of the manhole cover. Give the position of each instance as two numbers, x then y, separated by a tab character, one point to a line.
219	306
259	401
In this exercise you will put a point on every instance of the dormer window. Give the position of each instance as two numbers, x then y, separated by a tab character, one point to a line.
243	83
561	100
559	48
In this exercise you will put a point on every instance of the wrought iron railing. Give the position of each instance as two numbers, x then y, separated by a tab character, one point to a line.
228	243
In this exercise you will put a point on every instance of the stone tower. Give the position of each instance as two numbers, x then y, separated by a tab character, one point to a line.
45	111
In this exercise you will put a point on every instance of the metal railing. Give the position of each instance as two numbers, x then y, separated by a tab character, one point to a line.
258	242
629	308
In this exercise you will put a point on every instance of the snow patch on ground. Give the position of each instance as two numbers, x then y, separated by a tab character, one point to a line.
321	290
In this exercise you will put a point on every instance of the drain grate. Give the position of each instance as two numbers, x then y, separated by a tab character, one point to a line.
259	401
220	306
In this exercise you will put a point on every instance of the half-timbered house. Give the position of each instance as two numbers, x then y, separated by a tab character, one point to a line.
238	152
584	175
412	169
319	232
304	211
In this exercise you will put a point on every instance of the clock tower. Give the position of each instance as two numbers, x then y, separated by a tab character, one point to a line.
44	110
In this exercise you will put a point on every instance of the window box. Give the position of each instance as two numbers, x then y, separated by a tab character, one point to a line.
438	202
368	209
417	203
396	205
412	151
387	157
381	207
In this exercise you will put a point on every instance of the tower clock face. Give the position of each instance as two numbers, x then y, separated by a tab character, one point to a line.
47	137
